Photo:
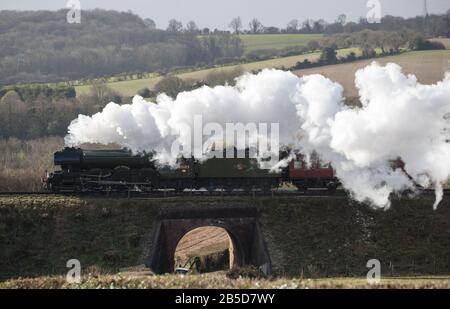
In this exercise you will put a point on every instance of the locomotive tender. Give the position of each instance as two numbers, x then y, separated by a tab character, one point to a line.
120	171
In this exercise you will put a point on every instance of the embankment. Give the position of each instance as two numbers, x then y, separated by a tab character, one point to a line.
313	237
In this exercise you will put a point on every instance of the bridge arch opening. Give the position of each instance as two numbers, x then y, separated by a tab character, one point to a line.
240	223
206	249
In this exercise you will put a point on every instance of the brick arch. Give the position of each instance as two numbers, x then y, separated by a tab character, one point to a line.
241	225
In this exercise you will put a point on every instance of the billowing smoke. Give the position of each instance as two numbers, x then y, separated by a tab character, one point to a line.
400	118
265	98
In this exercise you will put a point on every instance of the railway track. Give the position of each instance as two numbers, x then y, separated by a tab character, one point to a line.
169	194
162	194
15	193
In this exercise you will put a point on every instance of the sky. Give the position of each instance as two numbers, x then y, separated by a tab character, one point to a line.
217	14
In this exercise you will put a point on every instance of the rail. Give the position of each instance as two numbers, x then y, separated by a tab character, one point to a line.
199	193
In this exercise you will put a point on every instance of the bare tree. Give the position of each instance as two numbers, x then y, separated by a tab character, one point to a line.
191	27
175	26
99	91
12	115
319	26
171	85
236	24
313	45
292	26
150	23
341	19
306	26
255	26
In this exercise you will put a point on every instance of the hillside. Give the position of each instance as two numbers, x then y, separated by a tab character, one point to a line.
429	66
41	46
131	87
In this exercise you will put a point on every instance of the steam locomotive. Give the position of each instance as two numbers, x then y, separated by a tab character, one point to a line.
84	170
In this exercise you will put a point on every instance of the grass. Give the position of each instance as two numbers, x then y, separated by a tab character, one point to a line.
306	237
254	42
220	281
131	87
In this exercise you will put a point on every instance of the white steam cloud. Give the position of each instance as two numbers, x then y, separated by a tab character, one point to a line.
400	118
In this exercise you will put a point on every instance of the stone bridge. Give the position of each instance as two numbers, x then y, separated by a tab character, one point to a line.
241	223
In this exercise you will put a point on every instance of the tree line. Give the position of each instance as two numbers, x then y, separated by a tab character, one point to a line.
430	25
40	46
371	44
36	111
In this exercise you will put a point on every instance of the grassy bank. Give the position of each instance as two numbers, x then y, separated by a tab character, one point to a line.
220	281
306	237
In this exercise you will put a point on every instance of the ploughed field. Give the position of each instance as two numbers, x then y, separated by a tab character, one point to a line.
202	241
428	66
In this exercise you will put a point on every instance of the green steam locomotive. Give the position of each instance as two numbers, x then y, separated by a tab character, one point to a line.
120	171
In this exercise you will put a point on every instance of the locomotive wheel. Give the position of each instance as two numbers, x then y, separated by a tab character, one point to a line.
179	188
332	186
210	188
228	189
248	189
265	188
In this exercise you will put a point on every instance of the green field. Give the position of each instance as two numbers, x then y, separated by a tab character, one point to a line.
131	87
276	41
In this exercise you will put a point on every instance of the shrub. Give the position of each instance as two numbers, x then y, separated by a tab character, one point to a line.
420	43
145	93
328	56
171	85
